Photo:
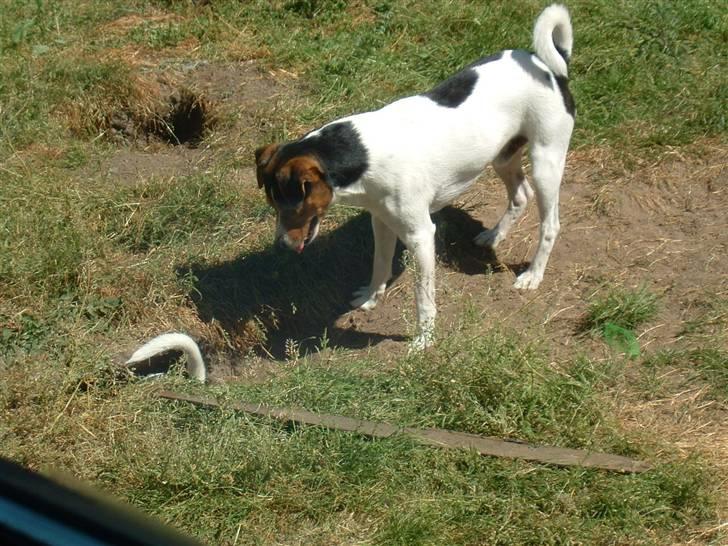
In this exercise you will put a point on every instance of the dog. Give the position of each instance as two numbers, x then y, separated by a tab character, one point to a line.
417	154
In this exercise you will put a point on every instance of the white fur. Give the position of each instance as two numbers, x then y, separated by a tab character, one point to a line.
173	342
423	155
553	26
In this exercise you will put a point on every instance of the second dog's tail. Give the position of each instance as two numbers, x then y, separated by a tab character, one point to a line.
553	38
173	342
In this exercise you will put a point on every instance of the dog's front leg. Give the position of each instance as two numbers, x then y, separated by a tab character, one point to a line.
385	241
421	243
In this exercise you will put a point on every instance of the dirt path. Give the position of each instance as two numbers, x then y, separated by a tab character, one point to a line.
663	226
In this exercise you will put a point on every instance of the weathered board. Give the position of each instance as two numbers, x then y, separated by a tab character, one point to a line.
432	436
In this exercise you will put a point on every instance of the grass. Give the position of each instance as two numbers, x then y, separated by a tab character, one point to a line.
229	475
341	489
359	56
141	218
90	264
625	308
706	365
616	314
489	384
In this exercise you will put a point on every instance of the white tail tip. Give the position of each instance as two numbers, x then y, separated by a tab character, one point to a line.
553	38
173	342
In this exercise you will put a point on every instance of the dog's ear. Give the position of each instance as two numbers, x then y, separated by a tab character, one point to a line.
309	173
312	174
263	155
314	190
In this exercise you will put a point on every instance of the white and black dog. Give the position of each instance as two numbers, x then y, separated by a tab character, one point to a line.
414	156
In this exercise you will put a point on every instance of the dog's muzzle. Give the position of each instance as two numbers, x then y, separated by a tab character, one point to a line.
298	245
312	231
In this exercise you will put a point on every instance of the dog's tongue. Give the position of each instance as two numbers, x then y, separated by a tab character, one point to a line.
299	248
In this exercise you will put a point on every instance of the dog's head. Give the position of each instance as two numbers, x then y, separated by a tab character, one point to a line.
296	188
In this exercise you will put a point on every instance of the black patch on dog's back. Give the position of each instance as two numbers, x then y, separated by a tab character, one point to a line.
485	60
339	148
566	95
455	90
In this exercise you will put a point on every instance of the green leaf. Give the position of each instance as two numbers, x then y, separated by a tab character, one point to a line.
621	339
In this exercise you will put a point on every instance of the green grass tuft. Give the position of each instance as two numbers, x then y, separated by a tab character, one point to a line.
492	384
625	308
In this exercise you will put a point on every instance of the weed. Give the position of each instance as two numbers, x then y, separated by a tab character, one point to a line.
624	308
24	333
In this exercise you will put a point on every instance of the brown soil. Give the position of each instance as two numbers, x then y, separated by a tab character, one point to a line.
662	226
237	99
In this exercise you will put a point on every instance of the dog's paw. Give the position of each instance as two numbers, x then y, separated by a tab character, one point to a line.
528	280
364	299
488	238
420	343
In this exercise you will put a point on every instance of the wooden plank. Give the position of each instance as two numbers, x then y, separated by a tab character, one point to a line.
484	445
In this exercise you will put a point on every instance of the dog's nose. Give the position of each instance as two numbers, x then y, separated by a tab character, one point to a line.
281	243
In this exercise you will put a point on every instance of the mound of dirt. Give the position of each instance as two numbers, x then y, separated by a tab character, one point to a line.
190	101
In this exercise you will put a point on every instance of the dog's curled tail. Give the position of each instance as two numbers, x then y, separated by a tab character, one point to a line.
553	38
173	342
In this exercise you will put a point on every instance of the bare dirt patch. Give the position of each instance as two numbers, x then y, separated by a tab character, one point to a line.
205	107
661	225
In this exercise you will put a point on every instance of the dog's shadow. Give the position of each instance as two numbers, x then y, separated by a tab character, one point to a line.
272	296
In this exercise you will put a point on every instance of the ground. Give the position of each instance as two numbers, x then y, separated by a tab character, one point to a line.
131	208
657	223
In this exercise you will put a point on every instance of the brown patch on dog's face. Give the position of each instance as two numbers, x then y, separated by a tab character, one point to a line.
297	190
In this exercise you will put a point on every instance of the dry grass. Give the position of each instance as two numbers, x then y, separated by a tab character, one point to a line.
140	106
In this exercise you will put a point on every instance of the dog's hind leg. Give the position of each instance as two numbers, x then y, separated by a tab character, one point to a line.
548	167
510	171
385	241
